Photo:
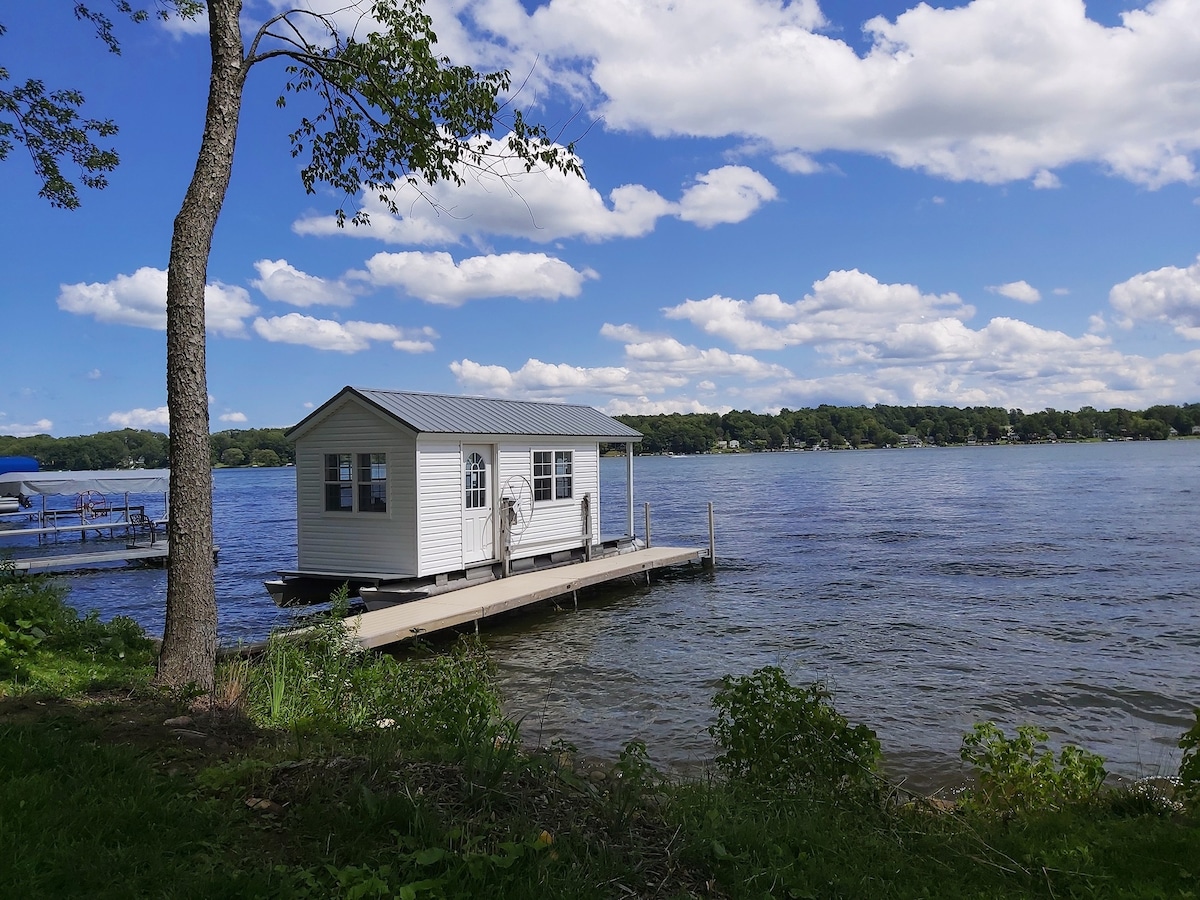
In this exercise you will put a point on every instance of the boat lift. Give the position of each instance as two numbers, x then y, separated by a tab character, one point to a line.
91	512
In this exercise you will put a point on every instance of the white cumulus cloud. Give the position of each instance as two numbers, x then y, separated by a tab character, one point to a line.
862	341
17	429
282	282
232	417
670	356
543	206
551	381
843	306
141	418
437	278
140	300
728	194
988	90
1169	294
1021	291
1045	180
344	337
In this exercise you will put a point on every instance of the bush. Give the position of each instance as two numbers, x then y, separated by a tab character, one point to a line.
1018	775
18	640
35	620
1189	766
35	598
777	736
322	680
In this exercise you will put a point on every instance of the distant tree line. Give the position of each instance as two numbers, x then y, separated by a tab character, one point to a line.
136	449
126	449
826	426
251	447
892	426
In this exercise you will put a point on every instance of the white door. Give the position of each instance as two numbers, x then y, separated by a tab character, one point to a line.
479	541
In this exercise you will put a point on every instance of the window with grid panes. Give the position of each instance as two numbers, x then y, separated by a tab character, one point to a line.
339	482
553	475
372	482
475	469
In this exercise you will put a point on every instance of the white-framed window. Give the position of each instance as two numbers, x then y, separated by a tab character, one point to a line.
372	482
339	482
553	475
475	470
346	471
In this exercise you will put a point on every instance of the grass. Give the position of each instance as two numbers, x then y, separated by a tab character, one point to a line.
808	848
87	818
321	771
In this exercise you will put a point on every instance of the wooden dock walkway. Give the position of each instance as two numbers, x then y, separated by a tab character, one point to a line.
91	558
407	620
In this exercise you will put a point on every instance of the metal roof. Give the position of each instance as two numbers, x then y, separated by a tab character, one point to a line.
450	414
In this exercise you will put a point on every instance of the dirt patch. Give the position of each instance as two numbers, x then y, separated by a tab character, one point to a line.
151	723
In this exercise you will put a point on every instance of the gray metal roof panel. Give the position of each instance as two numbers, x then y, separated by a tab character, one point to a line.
450	414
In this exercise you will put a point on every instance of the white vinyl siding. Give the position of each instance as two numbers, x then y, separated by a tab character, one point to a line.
350	543
440	487
556	524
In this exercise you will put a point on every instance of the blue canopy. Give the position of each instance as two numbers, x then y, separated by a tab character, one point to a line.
18	464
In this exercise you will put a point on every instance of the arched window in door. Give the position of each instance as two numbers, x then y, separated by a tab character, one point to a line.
476	478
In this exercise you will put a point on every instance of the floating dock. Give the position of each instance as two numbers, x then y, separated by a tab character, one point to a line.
470	604
146	556
132	535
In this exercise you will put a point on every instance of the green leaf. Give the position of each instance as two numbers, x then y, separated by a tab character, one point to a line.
429	856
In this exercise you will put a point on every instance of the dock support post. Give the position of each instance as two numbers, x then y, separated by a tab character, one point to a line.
629	484
575	597
506	516
712	539
647	526
586	510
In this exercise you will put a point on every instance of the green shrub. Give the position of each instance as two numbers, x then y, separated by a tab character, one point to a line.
774	735
1018	774
37	599
633	783
37	624
1189	766
18	640
321	680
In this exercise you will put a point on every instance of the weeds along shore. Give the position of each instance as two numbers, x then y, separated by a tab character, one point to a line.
319	770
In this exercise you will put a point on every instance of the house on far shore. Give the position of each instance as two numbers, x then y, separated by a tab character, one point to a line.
395	485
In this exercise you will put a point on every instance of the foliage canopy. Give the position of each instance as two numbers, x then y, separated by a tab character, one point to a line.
881	425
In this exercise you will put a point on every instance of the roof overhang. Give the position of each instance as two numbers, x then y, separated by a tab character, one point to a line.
441	415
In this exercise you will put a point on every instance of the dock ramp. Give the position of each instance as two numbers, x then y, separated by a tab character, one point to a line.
470	604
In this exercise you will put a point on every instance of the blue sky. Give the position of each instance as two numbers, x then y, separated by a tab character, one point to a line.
785	204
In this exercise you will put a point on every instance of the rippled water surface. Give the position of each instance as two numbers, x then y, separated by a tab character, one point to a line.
928	588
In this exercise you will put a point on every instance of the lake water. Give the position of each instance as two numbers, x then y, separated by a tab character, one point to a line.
929	589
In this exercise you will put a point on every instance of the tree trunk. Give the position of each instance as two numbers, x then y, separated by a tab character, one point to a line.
189	649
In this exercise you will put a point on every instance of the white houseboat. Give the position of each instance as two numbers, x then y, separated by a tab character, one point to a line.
426	493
